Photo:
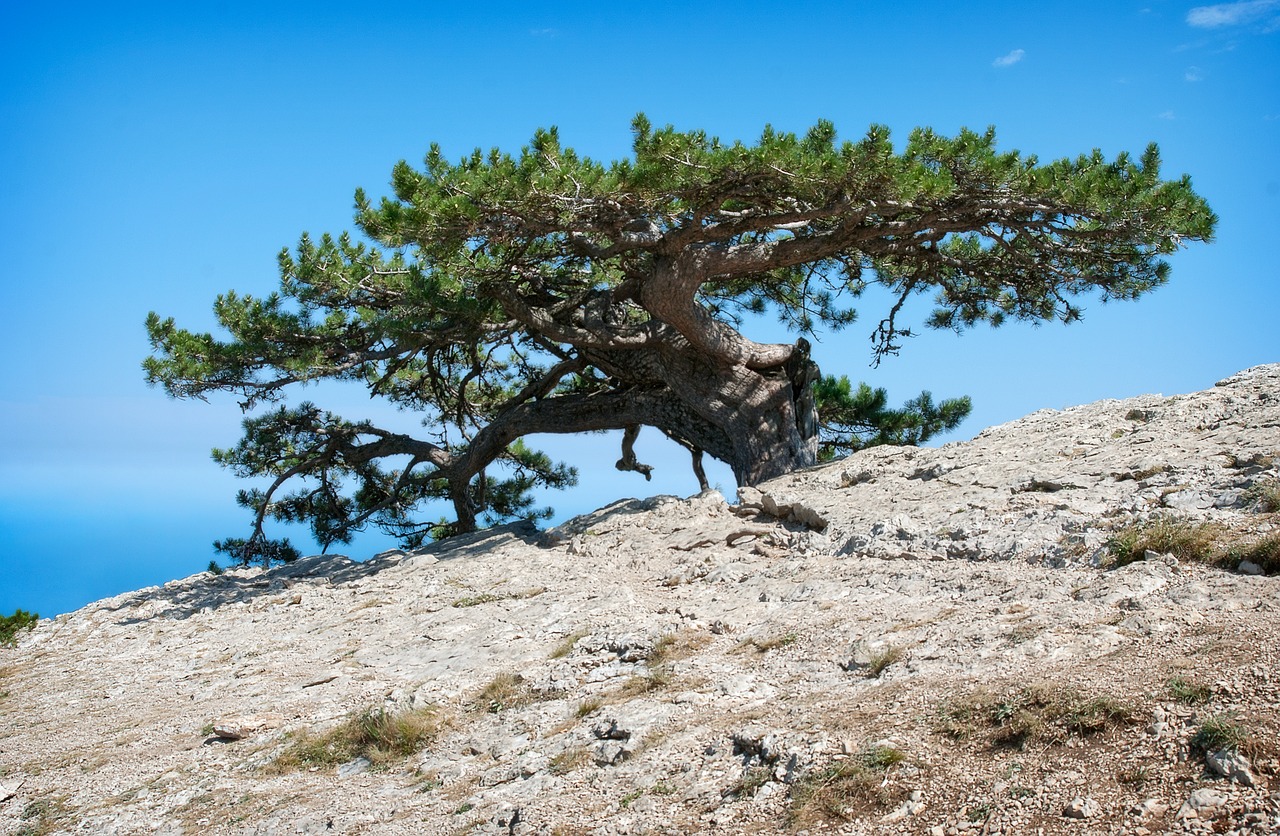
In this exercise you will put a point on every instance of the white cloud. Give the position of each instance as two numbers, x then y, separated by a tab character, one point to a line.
1193	74
1168	114
1230	14
1011	59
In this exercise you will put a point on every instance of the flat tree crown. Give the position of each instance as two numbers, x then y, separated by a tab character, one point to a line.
508	295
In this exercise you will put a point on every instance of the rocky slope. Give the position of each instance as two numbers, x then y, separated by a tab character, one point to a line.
930	641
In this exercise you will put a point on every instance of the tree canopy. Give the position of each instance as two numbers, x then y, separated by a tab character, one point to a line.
544	292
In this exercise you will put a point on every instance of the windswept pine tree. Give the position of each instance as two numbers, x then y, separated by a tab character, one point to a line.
544	292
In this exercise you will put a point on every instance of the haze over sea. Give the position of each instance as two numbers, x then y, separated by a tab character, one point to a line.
154	155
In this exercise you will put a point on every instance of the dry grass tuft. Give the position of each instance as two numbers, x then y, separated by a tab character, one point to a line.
379	735
881	659
1041	714
767	643
567	644
847	788
1183	539
569	760
504	691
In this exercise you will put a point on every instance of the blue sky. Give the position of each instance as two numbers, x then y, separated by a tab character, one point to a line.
154	155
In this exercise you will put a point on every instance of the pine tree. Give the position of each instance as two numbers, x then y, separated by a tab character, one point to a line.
507	295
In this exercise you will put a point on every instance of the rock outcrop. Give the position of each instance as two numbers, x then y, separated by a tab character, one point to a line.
1069	622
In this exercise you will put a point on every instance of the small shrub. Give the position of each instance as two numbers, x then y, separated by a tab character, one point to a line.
628	798
979	812
477	600
1264	496
1189	692
655	679
882	757
672	646
215	568
587	706
753	778
11	625
43	816
1165	535
767	643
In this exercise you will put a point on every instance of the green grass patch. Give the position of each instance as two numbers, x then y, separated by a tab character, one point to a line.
1219	731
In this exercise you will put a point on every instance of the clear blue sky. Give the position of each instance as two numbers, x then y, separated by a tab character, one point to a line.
154	155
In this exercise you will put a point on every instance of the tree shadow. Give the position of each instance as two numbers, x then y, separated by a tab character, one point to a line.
184	598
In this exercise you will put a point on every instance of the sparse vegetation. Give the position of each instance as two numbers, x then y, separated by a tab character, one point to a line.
504	691
377	734
753	778
569	760
767	643
11	625
672	646
1219	731
1265	495
477	600
1189	691
630	797
1135	776
490	597
43	816
567	644
1041	714
846	788
1183	539
587	706
881	659
1265	553
654	679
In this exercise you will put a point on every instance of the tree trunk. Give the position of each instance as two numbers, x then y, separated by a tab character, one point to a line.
764	419
774	433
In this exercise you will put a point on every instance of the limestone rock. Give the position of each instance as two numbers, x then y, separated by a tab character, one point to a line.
238	728
1231	765
669	665
1082	808
1201	800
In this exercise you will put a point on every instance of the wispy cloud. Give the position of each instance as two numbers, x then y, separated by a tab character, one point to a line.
1014	57
544	33
1168	114
1232	14
1193	74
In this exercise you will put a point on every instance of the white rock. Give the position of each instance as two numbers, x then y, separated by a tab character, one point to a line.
1082	808
1231	765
